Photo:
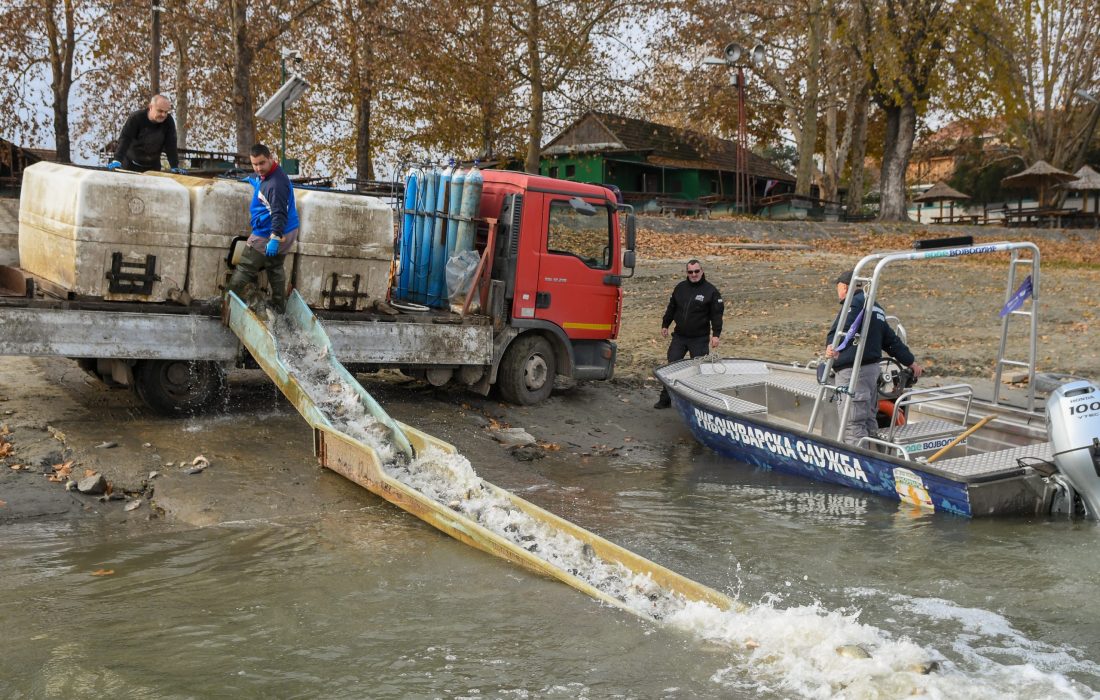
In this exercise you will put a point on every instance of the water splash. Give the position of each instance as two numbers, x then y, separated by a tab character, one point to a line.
806	651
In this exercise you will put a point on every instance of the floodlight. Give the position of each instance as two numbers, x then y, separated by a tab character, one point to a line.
291	90
733	52
758	55
1087	96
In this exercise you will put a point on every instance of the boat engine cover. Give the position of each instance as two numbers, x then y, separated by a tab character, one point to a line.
1073	414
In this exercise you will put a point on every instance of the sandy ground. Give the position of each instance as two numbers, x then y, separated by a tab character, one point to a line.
779	304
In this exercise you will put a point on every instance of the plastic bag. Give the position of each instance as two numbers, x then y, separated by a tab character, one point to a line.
460	273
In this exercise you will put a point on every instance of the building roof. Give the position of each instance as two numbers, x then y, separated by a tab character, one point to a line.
667	146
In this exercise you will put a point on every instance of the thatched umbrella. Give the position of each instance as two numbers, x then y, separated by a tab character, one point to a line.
1088	180
941	192
1040	174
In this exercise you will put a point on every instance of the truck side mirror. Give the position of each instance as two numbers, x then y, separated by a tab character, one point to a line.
631	233
628	259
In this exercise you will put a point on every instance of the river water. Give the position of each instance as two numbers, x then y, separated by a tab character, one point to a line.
368	602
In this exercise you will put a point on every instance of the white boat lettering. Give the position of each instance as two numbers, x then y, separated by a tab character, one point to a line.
806	452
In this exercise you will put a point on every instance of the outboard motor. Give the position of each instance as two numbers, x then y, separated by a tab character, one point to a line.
1073	419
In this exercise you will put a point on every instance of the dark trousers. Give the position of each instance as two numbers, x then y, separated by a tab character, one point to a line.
253	262
680	346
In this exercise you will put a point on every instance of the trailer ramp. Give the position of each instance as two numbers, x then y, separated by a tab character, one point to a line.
425	476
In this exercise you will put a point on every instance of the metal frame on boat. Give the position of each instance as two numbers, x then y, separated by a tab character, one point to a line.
944	449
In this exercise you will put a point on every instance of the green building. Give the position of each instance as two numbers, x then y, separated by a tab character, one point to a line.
649	162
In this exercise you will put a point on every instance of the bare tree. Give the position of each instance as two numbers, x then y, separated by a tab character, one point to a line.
41	39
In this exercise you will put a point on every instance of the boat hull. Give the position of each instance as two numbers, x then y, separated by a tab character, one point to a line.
767	446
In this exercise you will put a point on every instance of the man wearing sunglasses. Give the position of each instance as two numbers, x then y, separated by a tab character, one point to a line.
696	308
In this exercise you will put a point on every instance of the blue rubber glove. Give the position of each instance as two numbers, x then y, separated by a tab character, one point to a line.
272	248
114	165
179	171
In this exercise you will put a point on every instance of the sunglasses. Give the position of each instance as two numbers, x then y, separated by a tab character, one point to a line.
695	272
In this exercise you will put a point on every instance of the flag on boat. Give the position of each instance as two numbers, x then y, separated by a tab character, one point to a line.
1017	299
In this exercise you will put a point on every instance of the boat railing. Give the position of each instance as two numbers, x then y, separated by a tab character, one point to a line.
865	442
867	275
913	397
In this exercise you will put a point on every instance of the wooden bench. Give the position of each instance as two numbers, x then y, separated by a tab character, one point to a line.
672	206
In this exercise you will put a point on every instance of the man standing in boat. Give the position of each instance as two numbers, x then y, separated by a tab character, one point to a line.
274	228
696	307
862	421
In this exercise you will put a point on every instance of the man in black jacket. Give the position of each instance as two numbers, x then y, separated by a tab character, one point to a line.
862	421
146	134
696	307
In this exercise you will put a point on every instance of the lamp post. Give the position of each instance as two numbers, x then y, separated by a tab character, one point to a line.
154	46
296	56
734	56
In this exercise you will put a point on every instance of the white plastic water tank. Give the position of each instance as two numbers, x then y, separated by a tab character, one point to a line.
118	236
345	244
219	213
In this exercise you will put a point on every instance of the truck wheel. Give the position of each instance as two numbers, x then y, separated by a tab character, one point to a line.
526	373
179	387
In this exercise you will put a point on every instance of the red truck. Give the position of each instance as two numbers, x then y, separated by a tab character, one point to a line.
549	302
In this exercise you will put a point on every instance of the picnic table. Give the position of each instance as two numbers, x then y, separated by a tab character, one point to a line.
972	219
1037	216
673	206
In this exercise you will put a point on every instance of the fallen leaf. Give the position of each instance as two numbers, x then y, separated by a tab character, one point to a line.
103	572
16	467
90	472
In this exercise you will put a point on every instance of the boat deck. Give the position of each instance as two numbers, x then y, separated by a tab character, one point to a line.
785	396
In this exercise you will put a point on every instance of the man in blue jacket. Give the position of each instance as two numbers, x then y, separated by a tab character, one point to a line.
274	228
862	421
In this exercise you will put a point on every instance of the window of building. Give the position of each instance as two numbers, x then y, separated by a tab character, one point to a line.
570	170
553	171
585	237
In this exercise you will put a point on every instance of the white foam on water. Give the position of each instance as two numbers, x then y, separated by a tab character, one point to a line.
805	651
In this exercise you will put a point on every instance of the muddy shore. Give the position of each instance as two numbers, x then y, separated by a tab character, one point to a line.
779	299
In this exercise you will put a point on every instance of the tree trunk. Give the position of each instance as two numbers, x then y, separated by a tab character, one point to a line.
901	122
183	87
830	176
243	110
808	139
534	66
487	105
61	44
364	166
858	152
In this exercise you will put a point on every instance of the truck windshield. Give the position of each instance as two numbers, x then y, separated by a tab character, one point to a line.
585	237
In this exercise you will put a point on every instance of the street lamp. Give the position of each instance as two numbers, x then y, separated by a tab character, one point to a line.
296	56
292	88
734	56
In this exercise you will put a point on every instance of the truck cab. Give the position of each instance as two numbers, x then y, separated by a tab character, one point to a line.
552	256
557	262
